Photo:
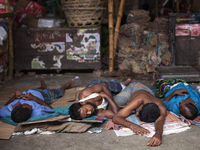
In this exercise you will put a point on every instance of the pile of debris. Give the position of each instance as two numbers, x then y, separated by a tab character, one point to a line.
142	44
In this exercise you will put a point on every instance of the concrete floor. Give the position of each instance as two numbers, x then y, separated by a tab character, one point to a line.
100	141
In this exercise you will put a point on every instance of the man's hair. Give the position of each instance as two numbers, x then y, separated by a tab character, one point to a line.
74	111
192	110
92	37
20	114
149	113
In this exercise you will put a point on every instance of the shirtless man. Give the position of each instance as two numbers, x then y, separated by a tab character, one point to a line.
140	99
93	100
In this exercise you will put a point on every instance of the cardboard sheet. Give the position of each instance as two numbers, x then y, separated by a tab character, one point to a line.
6	130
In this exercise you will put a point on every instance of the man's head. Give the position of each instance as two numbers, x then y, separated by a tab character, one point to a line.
150	112
78	111
92	43
21	112
188	109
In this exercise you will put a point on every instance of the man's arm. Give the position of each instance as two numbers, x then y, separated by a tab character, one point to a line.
157	138
119	118
114	107
105	113
11	100
29	96
176	92
17	95
106	89
97	88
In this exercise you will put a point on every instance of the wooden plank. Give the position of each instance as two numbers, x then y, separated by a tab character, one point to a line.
187	73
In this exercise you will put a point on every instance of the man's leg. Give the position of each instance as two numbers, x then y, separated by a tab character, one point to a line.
42	83
127	82
68	85
122	99
51	95
156	75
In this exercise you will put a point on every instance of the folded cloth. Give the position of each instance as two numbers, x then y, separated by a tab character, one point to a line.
173	124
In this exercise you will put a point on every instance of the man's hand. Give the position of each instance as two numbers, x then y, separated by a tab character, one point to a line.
139	130
31	97
181	92
28	96
102	94
155	140
18	94
176	92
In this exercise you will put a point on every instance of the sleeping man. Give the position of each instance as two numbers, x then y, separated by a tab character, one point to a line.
139	99
179	97
95	98
33	102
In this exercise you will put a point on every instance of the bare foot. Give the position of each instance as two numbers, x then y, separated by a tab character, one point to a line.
68	85
127	82
43	84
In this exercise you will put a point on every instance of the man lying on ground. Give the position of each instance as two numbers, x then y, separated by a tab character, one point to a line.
179	97
139	99
33	102
94	99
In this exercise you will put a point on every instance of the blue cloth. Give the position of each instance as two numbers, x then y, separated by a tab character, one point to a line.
173	104
37	109
34	92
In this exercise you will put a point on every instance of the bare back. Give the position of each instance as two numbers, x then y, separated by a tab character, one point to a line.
145	96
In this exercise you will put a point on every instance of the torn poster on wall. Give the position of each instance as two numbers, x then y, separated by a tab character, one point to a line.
54	47
83	47
62	49
37	63
49	47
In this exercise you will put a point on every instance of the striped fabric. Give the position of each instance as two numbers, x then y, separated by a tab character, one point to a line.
163	86
51	95
123	98
114	86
